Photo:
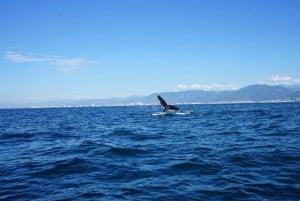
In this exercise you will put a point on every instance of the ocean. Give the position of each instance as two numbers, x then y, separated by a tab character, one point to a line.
218	152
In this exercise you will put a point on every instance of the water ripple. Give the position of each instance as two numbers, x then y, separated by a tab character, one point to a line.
219	152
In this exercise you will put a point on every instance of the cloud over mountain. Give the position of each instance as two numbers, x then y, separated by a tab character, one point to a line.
283	80
208	87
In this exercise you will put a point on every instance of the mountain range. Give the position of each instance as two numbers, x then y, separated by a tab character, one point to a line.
251	93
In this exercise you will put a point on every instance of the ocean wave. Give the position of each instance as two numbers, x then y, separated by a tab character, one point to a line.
222	152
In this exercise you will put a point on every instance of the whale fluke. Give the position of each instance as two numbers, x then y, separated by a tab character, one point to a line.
164	104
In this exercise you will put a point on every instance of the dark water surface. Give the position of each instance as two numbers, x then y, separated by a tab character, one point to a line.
219	152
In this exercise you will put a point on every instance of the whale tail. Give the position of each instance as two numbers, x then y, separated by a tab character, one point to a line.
165	106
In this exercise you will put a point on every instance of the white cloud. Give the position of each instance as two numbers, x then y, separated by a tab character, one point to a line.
71	64
208	87
283	80
272	80
20	58
62	63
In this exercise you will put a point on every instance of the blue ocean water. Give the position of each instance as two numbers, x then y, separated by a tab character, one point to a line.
219	152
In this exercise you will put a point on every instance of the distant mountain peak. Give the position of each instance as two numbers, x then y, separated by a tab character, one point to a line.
251	93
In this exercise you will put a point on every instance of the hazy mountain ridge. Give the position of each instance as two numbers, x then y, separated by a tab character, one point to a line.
252	93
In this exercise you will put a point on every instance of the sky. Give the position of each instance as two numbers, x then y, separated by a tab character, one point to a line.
73	49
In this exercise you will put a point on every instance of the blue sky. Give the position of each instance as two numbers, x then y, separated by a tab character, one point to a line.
54	49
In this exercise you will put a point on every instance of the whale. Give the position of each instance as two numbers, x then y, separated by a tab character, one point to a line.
165	105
